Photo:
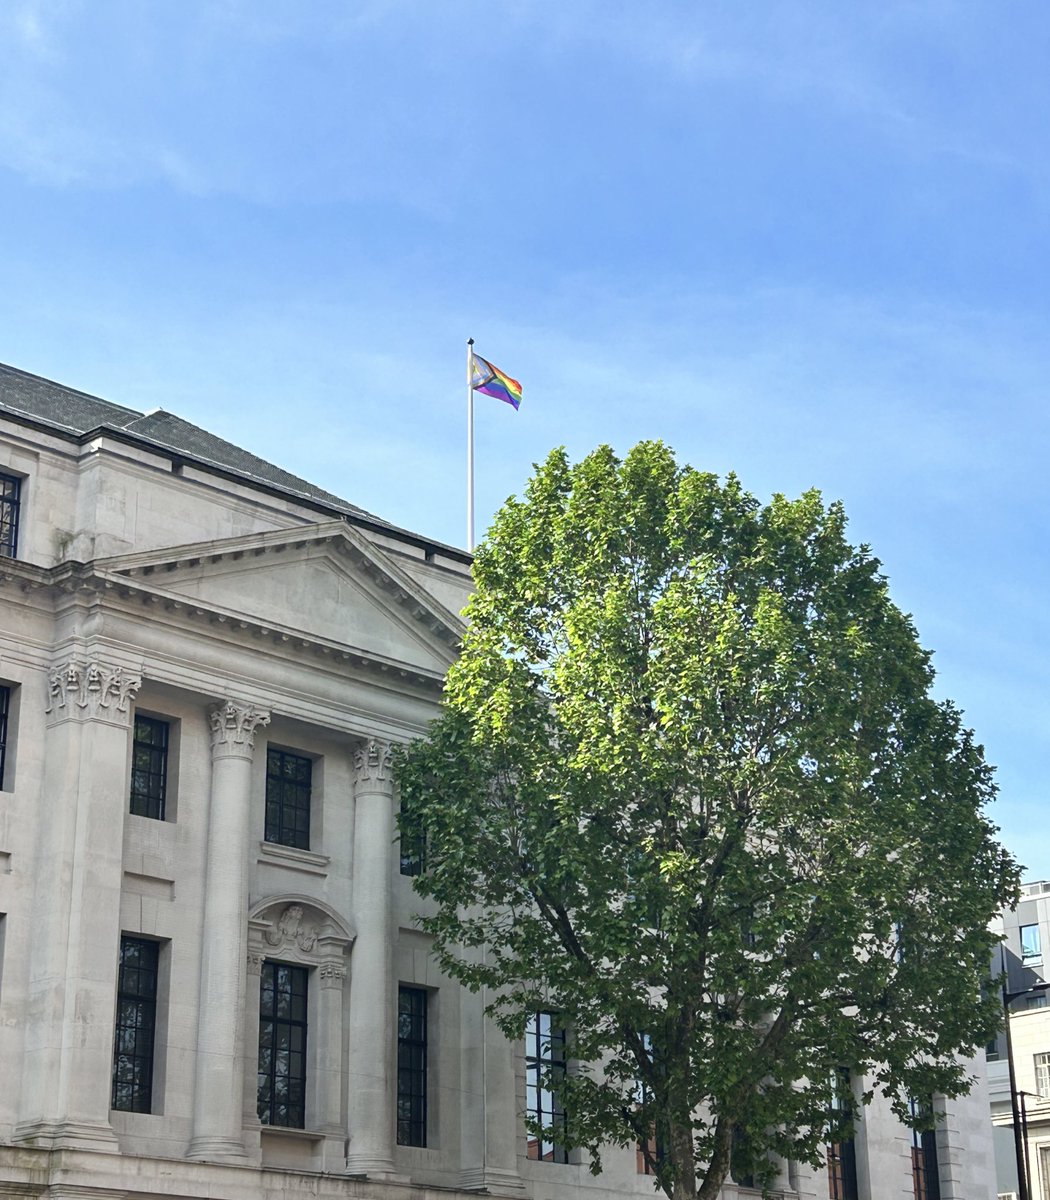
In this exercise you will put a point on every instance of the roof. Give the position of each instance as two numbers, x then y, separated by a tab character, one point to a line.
78	413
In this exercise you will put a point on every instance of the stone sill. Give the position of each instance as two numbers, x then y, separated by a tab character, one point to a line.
293	859
292	1134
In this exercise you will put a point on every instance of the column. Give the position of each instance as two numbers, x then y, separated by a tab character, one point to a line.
68	1062
372	996
218	1115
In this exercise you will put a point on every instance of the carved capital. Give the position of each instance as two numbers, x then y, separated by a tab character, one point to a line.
332	974
233	728
372	762
90	689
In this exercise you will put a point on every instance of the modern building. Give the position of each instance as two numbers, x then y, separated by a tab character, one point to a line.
1024	961
211	981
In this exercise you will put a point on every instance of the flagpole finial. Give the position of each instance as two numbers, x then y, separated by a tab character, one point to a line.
470	341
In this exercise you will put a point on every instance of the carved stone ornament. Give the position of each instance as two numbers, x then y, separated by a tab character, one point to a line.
91	689
331	970
292	929
233	726
372	761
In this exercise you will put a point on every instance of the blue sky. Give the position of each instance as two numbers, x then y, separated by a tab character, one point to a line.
803	241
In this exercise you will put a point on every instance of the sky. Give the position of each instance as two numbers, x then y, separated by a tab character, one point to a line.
803	241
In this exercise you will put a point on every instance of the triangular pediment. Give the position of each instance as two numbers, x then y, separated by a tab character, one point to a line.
325	583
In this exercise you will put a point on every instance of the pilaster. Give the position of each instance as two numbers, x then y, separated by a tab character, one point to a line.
68	1063
218	1116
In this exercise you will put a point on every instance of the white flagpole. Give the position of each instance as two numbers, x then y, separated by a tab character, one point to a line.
470	446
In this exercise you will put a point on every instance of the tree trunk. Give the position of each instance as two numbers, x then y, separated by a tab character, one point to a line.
682	1161
718	1168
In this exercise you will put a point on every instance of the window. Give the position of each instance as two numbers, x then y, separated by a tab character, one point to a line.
1036	1001
411	1066
10	499
926	1183
288	781
136	1022
841	1153
1030	947
544	1067
413	842
647	1164
282	1045
738	1170
1042	1074
149	767
5	713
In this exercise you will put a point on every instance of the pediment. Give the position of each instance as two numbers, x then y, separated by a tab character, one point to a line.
325	583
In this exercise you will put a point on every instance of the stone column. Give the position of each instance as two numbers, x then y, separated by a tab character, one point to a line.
373	1001
78	869
218	1116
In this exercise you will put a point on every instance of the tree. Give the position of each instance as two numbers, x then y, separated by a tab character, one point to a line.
690	792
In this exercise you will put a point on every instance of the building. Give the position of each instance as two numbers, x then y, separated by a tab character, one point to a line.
211	984
1026	940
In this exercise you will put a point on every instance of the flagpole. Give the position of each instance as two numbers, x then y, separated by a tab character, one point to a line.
470	447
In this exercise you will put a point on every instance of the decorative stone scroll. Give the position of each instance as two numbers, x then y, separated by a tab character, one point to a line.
91	689
372	761
233	727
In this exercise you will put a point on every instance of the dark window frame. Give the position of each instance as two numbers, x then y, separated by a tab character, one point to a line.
545	1056
925	1176
411	842
842	1152
149	767
413	1004
134	1039
10	513
5	725
284	991
289	796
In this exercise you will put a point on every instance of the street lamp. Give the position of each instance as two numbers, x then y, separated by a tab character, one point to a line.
1020	1115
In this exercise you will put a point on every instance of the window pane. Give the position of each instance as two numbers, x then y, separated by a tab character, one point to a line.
544	1065
136	1018
288	786
10	497
412	1066
1030	947
149	768
282	1045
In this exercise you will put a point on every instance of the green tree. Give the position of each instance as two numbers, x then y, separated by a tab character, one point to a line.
690	791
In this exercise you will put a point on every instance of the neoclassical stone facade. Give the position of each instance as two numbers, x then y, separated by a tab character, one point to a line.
211	981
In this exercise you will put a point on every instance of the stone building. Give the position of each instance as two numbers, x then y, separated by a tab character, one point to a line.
211	984
1023	960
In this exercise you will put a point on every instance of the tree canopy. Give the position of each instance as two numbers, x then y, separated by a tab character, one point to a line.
690	791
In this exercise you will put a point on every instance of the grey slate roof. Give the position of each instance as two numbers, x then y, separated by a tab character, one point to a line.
77	412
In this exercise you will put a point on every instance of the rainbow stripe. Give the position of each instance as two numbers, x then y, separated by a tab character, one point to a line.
490	380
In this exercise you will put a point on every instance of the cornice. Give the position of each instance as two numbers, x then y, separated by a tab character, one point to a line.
125	590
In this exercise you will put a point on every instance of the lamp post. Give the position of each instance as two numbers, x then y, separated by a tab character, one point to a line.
1017	1105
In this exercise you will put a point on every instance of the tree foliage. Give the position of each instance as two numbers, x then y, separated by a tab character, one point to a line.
690	783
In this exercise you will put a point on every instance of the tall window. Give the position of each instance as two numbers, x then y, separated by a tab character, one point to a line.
5	712
149	768
1042	1075
842	1156
647	1164
544	1065
136	1023
282	1045
926	1183
411	1066
413	842
10	500
288	782
1030	945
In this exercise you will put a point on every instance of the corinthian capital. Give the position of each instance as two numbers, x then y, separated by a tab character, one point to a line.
372	761
233	728
91	689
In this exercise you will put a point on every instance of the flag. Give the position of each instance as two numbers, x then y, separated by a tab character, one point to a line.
490	380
